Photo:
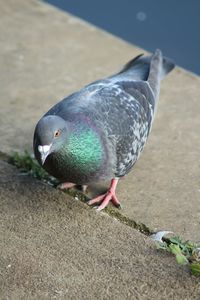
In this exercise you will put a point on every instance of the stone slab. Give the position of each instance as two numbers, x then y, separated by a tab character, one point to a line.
45	54
54	247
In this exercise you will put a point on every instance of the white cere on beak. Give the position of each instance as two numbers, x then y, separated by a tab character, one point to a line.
44	151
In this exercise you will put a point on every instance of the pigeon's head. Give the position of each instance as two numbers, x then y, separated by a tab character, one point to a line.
50	134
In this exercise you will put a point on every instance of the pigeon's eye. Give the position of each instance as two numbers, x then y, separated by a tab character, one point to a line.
57	133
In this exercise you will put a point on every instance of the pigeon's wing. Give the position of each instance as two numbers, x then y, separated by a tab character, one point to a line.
125	113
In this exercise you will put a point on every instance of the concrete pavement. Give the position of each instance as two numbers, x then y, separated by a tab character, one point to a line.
51	245
54	247
47	54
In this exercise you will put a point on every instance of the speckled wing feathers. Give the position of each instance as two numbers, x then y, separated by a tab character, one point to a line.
127	118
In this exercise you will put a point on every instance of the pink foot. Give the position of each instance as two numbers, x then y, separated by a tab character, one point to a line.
66	185
107	197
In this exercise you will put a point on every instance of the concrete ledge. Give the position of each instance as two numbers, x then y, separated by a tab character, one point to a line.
47	54
52	246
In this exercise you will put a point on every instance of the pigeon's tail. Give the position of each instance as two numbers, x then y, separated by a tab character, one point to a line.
159	67
137	68
148	68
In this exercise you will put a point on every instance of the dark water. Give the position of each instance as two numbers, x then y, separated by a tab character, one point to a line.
171	25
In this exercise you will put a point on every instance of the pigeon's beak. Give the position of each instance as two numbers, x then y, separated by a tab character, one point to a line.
44	152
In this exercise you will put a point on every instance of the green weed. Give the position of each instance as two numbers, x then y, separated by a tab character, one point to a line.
186	253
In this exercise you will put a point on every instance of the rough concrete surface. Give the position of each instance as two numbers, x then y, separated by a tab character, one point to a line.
51	245
45	54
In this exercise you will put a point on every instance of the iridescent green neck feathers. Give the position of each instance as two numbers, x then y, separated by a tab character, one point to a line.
83	149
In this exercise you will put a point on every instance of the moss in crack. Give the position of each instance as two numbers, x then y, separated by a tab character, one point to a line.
127	221
28	165
77	194
4	156
113	213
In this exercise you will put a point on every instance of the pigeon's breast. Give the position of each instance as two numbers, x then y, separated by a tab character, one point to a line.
82	159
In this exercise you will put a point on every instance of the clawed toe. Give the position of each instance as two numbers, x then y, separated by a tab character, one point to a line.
106	198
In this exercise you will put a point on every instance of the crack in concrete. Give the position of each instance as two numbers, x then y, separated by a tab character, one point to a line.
113	212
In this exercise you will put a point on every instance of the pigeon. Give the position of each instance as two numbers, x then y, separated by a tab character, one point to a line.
98	133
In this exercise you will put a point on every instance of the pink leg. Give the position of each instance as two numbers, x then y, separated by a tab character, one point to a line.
106	198
66	185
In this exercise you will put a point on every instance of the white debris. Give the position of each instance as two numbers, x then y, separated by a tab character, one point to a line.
159	235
